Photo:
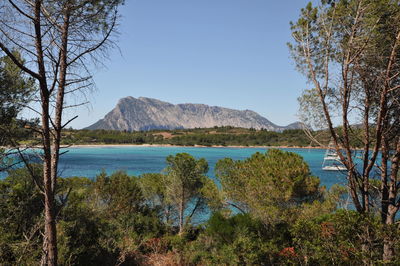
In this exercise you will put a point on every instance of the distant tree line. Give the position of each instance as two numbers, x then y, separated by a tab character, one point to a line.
190	137
221	136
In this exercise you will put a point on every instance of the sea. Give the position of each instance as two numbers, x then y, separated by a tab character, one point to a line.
136	160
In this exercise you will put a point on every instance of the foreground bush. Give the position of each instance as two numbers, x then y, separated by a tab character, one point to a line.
120	219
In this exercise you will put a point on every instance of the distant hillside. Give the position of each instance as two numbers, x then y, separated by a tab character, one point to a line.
141	114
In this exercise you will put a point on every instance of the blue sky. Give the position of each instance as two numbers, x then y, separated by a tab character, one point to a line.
230	53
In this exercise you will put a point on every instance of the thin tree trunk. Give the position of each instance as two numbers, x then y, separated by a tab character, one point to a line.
365	158
181	209
51	35
181	217
389	241
60	101
384	177
50	235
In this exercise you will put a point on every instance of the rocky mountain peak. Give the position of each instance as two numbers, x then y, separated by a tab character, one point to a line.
136	114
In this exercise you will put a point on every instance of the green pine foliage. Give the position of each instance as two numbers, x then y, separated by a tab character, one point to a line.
285	217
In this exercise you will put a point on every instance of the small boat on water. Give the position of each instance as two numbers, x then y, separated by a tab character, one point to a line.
332	160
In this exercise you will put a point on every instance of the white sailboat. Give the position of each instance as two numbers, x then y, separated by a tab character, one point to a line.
332	160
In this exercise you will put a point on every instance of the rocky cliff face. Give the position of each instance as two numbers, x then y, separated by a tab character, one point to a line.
134	114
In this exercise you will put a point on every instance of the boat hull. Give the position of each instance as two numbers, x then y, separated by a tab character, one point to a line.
334	168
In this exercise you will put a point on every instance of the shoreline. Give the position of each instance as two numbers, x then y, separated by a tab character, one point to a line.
187	146
169	146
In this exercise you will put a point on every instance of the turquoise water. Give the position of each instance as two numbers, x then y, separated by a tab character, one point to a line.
138	160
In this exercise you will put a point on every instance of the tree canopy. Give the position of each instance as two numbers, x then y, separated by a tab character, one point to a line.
349	50
268	185
16	90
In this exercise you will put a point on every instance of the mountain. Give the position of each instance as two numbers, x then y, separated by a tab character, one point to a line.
295	125
135	114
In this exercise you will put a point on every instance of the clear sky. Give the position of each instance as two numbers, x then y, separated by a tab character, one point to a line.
230	53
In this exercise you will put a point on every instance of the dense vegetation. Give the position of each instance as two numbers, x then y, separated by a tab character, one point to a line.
221	136
15	92
349	52
264	210
218	136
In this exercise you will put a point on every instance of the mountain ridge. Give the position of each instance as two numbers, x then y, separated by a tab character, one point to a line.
142	113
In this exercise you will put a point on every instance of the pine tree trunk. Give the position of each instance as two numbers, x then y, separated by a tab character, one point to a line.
389	241
388	247
181	217
50	233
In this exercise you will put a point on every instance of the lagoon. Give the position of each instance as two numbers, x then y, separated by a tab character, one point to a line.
136	160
